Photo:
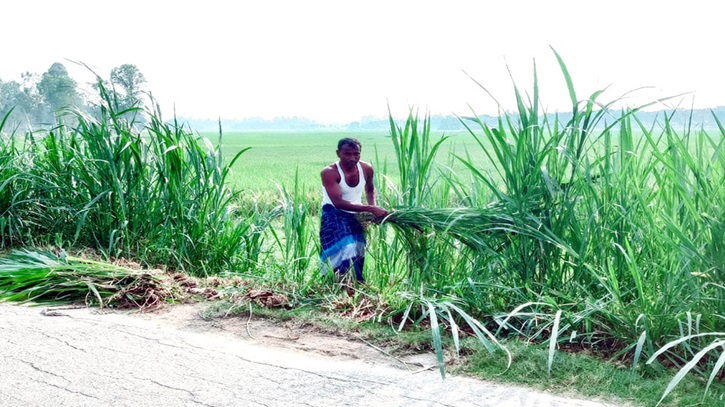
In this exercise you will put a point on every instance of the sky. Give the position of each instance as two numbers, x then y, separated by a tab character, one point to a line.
340	61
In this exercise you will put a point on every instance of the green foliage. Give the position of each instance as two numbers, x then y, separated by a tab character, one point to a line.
415	156
584	373
717	342
16	97
445	310
296	238
625	241
160	196
43	277
58	91
9	154
130	80
43	100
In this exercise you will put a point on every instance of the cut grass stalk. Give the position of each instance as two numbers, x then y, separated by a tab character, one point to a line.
45	278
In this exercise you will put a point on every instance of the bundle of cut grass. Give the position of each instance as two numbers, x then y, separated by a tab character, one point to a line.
480	228
43	277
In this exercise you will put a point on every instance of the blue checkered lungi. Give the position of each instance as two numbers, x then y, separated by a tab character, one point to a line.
343	242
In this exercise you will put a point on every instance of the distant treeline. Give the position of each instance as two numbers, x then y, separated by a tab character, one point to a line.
680	118
40	101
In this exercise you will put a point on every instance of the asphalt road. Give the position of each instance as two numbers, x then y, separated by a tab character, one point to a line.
82	358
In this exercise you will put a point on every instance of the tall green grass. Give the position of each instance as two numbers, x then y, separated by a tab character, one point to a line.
296	239
11	179
628	256
158	194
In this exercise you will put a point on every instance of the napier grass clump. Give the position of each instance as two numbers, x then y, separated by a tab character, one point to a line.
128	184
590	229
481	229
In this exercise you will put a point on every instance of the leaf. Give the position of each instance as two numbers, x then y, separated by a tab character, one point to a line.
686	369
638	349
718	366
437	342
679	341
92	288
552	340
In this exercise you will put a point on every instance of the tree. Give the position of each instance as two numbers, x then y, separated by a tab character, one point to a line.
21	98
58	90
130	81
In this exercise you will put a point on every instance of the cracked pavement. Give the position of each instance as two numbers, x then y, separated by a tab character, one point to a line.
85	358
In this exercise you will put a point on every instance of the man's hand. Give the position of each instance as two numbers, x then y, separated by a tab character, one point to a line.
379	212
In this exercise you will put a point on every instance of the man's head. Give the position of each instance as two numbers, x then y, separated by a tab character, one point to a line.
348	151
349	141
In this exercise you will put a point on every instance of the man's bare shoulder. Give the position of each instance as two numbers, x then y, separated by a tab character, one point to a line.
330	172
366	164
329	168
367	168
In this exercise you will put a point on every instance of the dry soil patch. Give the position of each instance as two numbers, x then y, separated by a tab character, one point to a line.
293	335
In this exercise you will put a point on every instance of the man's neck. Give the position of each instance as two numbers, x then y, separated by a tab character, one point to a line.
348	167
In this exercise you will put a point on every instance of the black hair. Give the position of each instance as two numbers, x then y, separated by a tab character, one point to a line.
348	141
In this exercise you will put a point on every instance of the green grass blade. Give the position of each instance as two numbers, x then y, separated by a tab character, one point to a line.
687	367
553	340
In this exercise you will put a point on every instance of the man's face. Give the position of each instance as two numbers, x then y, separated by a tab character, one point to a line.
349	154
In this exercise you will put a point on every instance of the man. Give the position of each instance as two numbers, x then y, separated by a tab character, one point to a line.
341	234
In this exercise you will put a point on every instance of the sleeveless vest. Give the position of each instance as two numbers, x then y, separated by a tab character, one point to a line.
350	194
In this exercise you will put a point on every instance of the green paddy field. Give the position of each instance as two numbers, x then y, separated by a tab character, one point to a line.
279	158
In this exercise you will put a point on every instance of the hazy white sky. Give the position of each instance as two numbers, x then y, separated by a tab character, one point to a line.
336	61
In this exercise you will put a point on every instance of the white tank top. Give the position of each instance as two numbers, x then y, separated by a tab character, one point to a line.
350	194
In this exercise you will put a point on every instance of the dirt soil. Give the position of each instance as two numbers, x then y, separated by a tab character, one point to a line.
174	357
294	335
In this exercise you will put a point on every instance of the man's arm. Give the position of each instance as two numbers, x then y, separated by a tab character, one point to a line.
369	186
368	172
331	179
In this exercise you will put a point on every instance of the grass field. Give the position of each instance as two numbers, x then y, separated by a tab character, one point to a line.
276	158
